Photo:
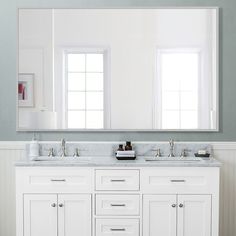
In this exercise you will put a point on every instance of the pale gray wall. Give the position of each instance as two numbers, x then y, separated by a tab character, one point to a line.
8	52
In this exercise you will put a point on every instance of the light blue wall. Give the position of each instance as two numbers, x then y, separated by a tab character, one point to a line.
8	52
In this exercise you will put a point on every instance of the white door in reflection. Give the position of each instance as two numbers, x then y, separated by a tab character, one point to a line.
84	86
179	73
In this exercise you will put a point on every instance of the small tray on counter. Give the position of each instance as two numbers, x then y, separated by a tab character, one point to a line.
207	155
123	158
126	155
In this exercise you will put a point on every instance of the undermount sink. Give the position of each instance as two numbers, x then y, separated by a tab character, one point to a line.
173	159
66	158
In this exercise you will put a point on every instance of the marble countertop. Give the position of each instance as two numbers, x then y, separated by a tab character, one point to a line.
113	162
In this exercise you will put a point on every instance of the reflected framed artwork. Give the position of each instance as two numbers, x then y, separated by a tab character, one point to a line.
26	90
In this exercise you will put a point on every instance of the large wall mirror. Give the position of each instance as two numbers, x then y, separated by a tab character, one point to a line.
118	69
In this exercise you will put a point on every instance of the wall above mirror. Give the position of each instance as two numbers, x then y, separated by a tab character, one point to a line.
118	69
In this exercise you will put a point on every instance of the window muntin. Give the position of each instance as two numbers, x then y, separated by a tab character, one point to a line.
84	85
179	73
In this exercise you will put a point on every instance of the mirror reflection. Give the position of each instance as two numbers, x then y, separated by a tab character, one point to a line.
118	69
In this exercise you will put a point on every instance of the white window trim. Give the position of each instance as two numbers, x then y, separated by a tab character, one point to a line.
157	83
106	87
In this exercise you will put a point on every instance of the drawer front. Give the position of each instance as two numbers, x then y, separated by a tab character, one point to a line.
178	180
115	180
108	204
111	227
53	180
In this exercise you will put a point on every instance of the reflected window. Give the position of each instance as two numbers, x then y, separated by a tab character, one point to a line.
84	85
178	81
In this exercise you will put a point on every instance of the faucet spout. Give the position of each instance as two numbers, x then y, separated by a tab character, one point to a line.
171	142
63	147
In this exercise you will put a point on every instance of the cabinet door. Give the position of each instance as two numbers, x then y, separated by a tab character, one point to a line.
159	215
40	215
194	215
74	215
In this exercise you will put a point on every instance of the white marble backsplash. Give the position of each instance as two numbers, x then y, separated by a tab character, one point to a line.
104	149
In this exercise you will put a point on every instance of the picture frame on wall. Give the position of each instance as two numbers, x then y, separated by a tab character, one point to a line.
26	89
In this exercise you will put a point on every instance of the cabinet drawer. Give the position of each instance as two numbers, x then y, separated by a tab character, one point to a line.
178	180
111	227
117	180
53	180
107	204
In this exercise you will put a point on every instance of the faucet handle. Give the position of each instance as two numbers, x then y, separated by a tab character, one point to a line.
50	152
158	152
184	152
171	142
76	152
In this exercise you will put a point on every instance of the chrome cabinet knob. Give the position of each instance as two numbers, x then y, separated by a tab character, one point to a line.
173	205
181	205
60	205
53	204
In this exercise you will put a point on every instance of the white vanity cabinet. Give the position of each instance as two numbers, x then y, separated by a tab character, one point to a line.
122	201
54	201
159	215
181	215
180	201
52	215
40	214
194	215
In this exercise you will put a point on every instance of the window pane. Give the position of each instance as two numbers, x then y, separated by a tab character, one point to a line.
76	100
94	100
94	63
179	70
94	81
94	119
170	120
179	80
168	76
189	120
189	101
189	81
76	62
170	100
76	119
189	71
76	81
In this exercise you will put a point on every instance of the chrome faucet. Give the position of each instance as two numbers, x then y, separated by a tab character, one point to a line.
63	147
171	142
158	152
76	153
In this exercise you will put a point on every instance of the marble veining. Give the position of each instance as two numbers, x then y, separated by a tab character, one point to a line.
103	154
113	162
106	149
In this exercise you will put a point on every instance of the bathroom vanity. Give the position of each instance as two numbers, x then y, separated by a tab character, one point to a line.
74	79
106	197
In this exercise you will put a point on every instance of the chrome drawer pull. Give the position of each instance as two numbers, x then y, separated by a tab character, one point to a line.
118	205
122	229
58	180
177	180
117	180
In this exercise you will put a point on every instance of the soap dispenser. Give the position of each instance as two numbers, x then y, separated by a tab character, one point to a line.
34	148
